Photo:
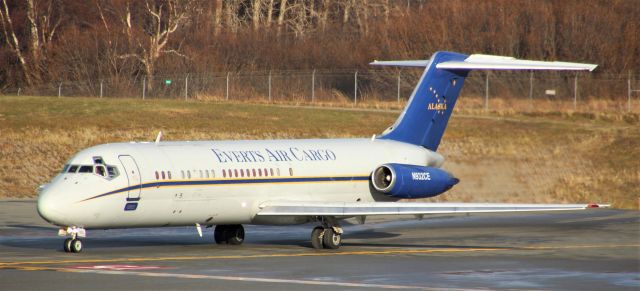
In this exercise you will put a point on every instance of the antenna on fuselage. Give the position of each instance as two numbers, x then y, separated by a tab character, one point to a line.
159	137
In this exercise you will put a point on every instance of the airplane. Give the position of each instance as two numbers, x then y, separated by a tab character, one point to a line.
280	182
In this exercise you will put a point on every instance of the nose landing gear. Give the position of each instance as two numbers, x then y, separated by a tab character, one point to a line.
72	244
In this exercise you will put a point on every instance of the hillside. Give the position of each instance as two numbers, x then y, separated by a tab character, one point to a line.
499	156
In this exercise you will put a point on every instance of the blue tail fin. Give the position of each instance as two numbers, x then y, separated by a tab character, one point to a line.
427	113
425	118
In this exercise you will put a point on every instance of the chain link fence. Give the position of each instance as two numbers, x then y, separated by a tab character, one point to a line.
561	91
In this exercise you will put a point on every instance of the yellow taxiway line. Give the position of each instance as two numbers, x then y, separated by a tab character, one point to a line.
27	264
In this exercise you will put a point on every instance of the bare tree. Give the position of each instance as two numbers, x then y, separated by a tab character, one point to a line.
13	42
256	7
281	14
217	17
150	28
43	20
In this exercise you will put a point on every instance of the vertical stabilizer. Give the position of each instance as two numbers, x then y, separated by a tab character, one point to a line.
427	113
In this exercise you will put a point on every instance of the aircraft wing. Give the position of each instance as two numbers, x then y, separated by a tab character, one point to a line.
293	208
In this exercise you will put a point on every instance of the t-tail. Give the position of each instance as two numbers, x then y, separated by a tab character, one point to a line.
427	113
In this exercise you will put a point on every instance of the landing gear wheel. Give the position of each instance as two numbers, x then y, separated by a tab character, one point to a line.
219	234
331	239
76	246
235	234
316	237
67	245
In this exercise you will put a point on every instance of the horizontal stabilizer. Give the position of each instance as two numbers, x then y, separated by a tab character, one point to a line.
488	62
292	208
415	63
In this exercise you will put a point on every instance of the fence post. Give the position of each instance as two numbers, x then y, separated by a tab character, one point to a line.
269	85
101	88
531	86
398	86
486	92
186	87
227	95
355	88
313	85
144	87
575	92
19	89
60	89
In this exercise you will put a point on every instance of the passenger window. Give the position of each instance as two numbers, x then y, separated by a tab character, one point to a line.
266	173
213	173
169	174
260	172
163	177
100	171
112	171
206	173
253	171
188	174
85	169
236	173
201	175
224	173
271	171
290	171
278	171
248	173
157	176
241	173
182	174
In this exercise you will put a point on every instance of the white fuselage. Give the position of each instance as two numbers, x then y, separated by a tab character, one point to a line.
216	182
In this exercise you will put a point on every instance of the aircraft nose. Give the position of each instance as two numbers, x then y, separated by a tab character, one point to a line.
48	206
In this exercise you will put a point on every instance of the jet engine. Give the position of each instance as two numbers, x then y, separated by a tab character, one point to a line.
411	181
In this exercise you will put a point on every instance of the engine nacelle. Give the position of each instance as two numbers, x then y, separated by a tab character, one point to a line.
410	181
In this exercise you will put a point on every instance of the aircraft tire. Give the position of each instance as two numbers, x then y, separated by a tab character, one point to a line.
235	234
67	245
76	246
316	237
331	239
219	234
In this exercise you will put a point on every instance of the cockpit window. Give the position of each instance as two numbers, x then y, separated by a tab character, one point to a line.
65	168
100	171
112	172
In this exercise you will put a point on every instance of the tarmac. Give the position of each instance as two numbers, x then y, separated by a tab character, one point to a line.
596	249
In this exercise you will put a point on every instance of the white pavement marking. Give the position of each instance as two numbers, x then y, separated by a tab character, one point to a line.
263	280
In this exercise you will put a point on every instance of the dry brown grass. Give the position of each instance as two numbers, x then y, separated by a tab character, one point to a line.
500	156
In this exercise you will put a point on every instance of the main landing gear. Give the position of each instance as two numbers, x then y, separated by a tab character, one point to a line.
327	236
232	234
72	244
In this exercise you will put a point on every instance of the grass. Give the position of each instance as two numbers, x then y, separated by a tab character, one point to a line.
505	155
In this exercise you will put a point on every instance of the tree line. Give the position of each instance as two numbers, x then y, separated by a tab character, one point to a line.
74	40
